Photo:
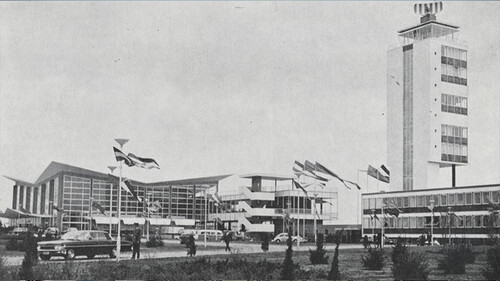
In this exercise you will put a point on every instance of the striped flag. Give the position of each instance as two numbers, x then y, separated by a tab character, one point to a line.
99	207
127	186
384	168
322	169
376	174
120	156
146	163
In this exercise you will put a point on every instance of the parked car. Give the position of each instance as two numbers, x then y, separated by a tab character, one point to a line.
238	236
81	243
282	237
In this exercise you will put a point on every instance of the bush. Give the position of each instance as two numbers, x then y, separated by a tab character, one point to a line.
492	270
407	265
12	245
318	256
455	258
154	242
287	271
374	259
4	270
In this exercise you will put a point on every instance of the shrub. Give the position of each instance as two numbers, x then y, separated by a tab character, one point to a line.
470	255
454	260
265	242
4	270
154	242
492	270
318	256
12	245
374	259
334	273
287	271
407	265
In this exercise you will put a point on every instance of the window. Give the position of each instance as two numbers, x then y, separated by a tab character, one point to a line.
460	220
366	204
436	200
453	65
406	222
468	198
453	104
495	195
477	198
451	199
413	202
477	221
443	200
460	199
420	222
468	221
420	201
454	143
406	202
486	197
413	222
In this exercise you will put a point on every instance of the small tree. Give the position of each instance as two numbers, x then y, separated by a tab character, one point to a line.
374	259
287	271
318	256
454	259
265	242
30	257
492	270
407	265
334	273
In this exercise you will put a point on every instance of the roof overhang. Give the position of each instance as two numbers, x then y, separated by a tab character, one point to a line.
267	176
428	23
16	214
20	181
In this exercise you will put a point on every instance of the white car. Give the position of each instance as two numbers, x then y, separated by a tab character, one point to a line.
282	237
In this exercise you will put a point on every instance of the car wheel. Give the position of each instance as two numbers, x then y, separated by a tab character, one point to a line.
112	253
294	241
70	254
45	257
277	240
91	256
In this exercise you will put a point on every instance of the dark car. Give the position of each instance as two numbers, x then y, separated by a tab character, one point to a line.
81	243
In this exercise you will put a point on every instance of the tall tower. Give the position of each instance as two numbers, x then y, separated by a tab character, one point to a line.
427	92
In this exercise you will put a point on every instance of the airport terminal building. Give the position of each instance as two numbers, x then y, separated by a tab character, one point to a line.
66	196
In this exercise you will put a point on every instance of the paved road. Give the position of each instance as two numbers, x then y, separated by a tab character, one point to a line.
213	248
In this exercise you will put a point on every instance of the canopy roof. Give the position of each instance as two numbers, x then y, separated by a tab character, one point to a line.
16	214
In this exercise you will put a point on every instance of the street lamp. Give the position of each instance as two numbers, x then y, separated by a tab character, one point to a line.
432	220
121	142
382	227
314	215
449	225
112	169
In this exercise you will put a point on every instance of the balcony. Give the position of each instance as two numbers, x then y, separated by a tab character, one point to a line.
256	227
262	196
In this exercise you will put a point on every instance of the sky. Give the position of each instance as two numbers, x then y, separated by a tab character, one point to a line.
211	88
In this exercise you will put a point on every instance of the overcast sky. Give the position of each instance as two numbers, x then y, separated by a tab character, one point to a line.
209	88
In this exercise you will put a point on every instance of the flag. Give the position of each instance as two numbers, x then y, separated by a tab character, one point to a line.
376	217
322	169
376	174
308	166
99	207
57	208
393	212
127	186
299	165
146	163
23	209
119	155
384	168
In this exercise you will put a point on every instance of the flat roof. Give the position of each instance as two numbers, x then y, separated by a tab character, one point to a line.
267	176
426	23
433	189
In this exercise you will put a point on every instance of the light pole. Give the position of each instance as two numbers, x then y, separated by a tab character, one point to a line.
121	142
432	220
111	168
315	212
382	227
449	225
149	214
206	214
373	223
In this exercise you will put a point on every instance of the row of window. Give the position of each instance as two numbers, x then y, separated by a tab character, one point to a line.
450	199
453	104
453	53
459	221
408	119
454	158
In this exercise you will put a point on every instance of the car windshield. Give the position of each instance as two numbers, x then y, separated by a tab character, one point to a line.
74	235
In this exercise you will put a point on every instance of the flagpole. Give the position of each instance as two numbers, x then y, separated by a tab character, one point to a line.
118	239
111	168
206	214
382	227
315	208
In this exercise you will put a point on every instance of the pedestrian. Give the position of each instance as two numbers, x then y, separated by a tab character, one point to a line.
136	241
379	239
227	237
365	241
191	246
375	243
429	239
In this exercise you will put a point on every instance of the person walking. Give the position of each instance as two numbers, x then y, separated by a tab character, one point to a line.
191	246
136	241
228	237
